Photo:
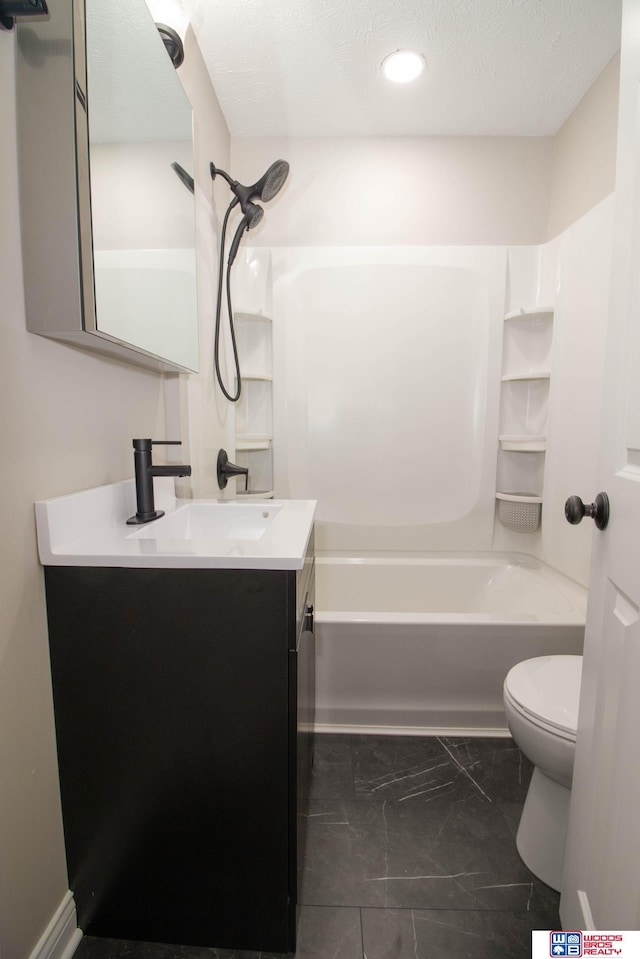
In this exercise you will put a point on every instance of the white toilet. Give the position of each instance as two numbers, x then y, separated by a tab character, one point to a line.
541	704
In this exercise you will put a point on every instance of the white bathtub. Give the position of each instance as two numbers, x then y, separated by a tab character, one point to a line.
422	644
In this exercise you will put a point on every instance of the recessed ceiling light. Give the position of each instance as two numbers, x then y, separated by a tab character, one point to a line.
403	66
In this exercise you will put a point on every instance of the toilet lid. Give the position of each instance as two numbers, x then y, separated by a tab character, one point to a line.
548	688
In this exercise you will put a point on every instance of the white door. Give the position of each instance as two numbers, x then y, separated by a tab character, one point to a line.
601	888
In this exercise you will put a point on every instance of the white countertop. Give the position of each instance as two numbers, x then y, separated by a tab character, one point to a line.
89	528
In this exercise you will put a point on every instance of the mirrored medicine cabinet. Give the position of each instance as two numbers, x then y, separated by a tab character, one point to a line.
108	230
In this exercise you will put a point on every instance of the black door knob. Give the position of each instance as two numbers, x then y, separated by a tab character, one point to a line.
575	510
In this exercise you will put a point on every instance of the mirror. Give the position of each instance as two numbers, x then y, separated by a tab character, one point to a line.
108	227
140	122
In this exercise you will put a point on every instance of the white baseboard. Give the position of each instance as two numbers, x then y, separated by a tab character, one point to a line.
62	937
362	729
585	909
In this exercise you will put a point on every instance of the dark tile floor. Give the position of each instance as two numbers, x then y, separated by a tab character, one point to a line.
410	855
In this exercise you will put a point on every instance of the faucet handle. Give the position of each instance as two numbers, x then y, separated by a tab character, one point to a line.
144	445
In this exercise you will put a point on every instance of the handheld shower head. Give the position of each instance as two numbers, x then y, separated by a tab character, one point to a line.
253	214
264	189
250	220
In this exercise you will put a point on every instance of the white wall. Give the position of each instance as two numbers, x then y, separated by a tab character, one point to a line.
365	191
406	191
67	423
68	420
584	152
207	419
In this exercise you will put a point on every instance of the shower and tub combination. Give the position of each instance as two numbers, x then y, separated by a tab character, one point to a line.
388	366
423	644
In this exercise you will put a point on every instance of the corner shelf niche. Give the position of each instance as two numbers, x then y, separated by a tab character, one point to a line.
524	406
254	410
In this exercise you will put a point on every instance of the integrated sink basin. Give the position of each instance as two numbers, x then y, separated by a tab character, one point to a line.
89	528
213	521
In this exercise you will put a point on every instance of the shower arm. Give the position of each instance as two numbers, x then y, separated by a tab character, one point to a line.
241	194
216	171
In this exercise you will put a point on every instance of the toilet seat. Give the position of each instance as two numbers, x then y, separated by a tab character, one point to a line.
546	692
536	721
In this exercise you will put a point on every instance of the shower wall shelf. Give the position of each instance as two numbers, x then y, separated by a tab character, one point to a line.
531	312
523	444
254	411
519	497
257	317
246	442
524	401
516	377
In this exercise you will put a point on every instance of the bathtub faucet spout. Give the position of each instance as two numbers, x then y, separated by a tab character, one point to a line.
226	470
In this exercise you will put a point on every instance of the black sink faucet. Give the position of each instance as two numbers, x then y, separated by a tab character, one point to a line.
145	471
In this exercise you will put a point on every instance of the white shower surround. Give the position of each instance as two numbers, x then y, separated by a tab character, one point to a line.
386	388
570	272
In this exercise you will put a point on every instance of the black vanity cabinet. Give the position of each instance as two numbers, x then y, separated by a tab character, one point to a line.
183	706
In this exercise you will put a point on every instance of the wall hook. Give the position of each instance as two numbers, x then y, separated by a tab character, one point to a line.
12	10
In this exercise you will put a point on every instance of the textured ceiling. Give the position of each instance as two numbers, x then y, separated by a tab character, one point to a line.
312	67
